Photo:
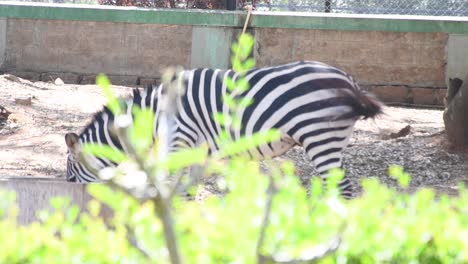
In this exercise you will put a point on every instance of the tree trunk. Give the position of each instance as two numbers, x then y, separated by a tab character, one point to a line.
456	112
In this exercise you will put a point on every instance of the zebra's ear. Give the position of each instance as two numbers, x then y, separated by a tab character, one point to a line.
72	141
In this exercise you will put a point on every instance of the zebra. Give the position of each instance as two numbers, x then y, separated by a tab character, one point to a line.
311	104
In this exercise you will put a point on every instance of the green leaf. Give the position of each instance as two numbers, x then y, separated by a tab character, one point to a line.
333	178
237	65
141	133
73	213
249	64
105	151
397	172
219	118
59	202
242	85
185	158
246	43
112	101
230	83
94	208
236	123
316	188
246	143
223	137
227	99
104	194
235	48
245	102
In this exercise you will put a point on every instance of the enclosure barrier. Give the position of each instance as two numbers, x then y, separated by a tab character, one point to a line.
33	195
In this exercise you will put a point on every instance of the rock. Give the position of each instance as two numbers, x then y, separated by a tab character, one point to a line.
4	113
12	78
444	176
24	101
17	79
66	77
456	112
59	81
402	133
26	75
88	79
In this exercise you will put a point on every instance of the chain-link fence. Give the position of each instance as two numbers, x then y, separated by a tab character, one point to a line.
401	7
180	4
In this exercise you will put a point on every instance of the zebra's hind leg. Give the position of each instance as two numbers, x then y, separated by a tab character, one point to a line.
325	152
194	177
345	186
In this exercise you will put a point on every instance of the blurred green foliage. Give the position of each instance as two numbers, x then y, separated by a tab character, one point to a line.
381	226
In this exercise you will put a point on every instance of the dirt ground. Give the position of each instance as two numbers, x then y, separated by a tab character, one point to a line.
32	139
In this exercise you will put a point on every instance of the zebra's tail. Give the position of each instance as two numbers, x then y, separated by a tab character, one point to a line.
366	104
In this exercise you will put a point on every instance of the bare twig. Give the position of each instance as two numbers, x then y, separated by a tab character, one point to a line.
266	215
122	134
308	256
162	199
169	107
164	212
161	204
247	19
134	242
177	183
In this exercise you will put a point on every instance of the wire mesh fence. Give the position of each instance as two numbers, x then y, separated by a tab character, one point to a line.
401	7
179	4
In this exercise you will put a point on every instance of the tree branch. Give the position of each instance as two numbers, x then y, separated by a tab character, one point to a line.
134	242
271	190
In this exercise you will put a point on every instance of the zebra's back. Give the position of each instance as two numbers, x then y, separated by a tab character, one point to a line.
288	97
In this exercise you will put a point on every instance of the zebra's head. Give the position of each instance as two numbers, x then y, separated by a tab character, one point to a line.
83	167
78	167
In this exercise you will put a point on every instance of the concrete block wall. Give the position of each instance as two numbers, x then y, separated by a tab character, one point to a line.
402	59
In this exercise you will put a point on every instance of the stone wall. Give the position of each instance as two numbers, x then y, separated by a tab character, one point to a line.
85	48
401	60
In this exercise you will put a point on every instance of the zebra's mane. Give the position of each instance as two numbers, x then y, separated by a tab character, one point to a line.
135	98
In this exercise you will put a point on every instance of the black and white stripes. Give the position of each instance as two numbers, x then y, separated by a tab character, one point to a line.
311	104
